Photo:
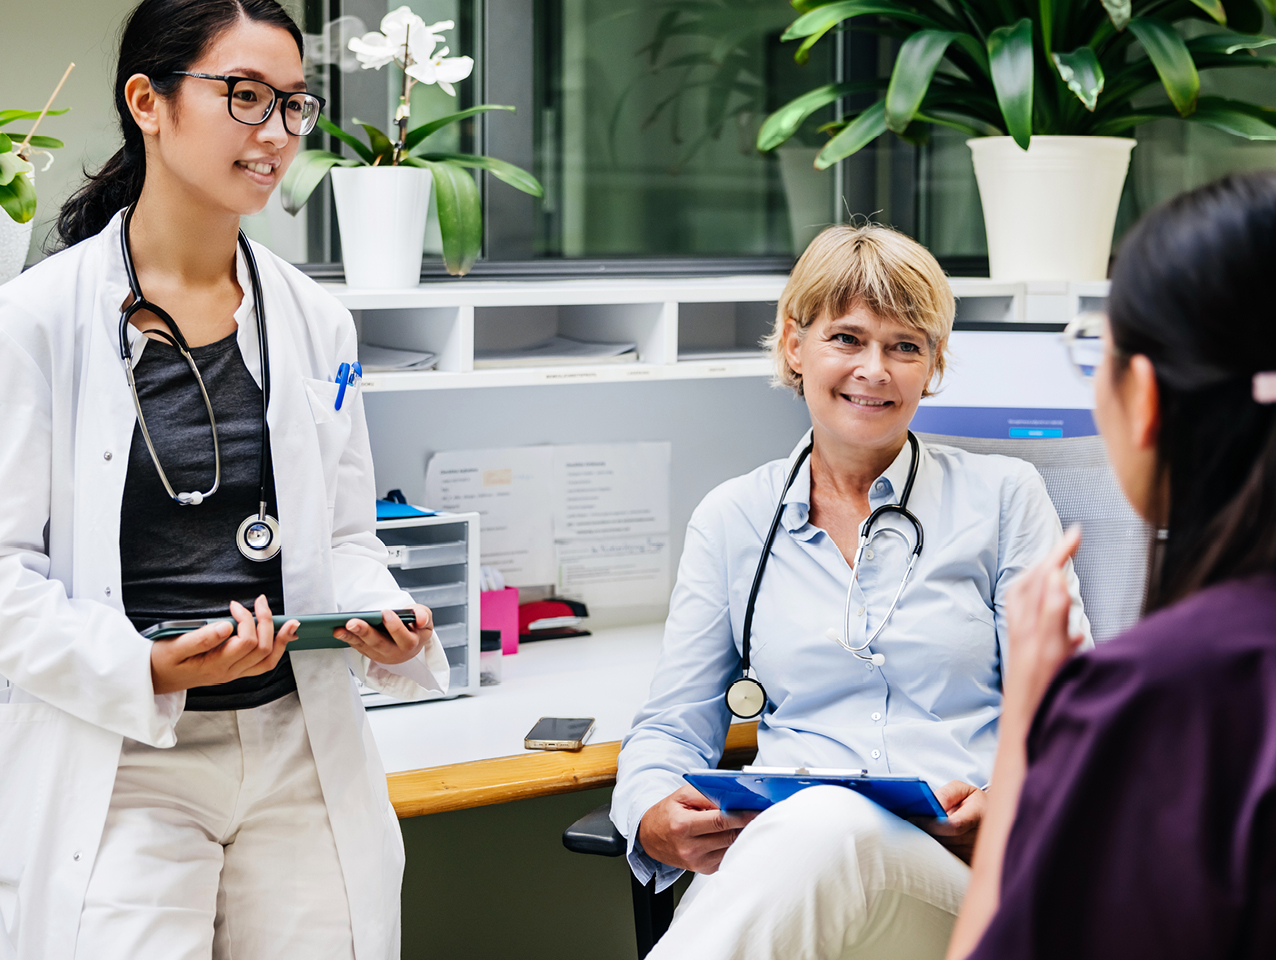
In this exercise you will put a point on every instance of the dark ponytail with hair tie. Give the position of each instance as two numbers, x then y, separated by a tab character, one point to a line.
160	38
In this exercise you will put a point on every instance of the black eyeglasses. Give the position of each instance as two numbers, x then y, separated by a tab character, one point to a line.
252	102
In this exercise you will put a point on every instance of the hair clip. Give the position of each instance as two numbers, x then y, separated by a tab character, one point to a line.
1265	387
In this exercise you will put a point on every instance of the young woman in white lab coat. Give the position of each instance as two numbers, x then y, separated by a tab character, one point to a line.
131	824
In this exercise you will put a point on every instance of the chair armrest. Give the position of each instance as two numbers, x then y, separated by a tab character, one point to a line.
595	833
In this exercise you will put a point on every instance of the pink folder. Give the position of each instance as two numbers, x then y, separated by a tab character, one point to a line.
498	610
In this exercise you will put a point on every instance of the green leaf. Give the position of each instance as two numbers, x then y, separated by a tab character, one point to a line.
381	145
1010	60
1214	8
1231	116
5	143
516	177
785	122
915	64
306	172
40	142
1228	42
17	197
1080	70
1244	16
1172	60
456	199
1119	12
349	139
822	19
8	116
416	135
860	132
1271	6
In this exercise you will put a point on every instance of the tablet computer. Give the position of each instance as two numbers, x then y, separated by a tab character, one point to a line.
756	790
314	633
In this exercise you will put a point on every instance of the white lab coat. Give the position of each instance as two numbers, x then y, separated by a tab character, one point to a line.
80	673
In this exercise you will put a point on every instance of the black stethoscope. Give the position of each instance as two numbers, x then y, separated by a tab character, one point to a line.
746	696
258	536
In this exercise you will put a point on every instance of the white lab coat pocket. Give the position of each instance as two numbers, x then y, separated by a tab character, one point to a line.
332	427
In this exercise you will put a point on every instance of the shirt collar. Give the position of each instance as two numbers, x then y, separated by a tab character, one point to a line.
886	489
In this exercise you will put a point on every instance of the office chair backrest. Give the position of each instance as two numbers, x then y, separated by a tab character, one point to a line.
1112	563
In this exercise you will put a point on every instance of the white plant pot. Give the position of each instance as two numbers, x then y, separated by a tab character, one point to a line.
15	242
381	212
1049	210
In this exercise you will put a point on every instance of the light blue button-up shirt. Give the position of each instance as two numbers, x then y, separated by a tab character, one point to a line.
931	711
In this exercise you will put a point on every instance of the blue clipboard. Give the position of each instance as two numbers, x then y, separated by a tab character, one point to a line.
741	790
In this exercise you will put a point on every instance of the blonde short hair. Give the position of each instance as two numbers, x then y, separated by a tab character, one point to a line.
872	266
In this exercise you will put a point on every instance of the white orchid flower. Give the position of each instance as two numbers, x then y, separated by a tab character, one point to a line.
398	27
443	70
11	165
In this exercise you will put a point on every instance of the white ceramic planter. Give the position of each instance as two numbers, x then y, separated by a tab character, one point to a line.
15	242
1050	210
381	212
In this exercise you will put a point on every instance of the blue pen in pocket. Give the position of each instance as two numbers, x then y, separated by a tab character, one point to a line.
347	374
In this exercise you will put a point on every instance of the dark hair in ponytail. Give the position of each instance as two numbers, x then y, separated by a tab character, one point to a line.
1190	290
160	37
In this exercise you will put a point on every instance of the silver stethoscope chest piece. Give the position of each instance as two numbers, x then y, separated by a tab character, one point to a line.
746	698
258	536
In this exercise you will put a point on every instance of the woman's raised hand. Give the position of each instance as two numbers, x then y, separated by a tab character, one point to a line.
218	653
1037	622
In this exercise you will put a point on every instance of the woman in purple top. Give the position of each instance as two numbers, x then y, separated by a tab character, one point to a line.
1144	773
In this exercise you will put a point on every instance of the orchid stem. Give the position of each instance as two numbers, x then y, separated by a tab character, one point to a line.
53	96
401	115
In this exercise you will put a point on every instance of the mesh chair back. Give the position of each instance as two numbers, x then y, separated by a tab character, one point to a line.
1112	563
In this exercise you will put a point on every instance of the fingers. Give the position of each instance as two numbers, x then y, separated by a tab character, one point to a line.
198	641
701	823
1066	548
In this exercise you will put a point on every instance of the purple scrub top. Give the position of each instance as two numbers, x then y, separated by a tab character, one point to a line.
1147	823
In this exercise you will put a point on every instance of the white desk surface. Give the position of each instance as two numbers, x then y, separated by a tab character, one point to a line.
604	676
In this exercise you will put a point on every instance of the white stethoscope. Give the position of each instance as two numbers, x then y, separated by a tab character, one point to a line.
258	536
746	696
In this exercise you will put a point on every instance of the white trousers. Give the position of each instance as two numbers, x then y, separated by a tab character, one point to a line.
219	847
824	875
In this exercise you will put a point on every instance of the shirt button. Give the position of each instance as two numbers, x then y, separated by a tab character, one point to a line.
106	455
879	486
868	666
868	554
859	612
76	855
108	591
875	754
877	716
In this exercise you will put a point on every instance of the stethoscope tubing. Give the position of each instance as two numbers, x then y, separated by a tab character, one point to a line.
866	535
175	337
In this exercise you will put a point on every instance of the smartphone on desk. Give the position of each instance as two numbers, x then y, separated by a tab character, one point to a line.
314	632
559	733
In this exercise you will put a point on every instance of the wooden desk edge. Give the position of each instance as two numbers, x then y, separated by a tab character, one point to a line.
480	783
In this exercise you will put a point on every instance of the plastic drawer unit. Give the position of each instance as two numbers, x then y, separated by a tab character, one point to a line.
436	560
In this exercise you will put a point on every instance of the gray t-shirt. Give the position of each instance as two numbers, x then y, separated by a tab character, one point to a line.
180	562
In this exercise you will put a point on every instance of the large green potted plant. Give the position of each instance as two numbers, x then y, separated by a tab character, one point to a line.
17	192
1049	91
383	193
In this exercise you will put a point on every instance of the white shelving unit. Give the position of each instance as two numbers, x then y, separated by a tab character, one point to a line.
701	328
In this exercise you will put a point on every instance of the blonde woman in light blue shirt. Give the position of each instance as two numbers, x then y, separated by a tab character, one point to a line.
861	334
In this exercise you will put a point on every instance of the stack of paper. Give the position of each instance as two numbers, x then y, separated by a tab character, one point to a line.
381	359
556	351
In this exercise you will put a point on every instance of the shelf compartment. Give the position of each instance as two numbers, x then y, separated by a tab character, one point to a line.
452	634
440	595
447	332
649	326
414	556
730	330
